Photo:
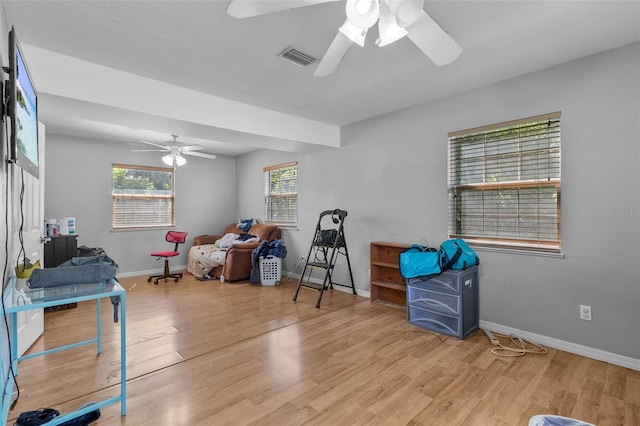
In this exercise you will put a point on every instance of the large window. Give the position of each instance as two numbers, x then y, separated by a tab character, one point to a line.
142	197
504	184
281	194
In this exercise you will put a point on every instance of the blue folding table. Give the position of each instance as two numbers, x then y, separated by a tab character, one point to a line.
18	301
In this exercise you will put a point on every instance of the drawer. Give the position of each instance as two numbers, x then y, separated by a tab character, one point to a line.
451	281
444	282
445	303
434	321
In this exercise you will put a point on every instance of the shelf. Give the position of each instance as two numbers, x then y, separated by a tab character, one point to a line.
387	285
385	264
394	286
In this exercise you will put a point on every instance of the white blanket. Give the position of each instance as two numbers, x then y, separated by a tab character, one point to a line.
204	258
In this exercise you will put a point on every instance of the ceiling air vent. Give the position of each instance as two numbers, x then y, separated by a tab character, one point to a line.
297	56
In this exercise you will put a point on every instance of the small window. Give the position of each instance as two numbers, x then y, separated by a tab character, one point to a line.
504	184
281	194
142	197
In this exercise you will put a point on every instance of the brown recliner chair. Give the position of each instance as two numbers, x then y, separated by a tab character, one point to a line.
237	265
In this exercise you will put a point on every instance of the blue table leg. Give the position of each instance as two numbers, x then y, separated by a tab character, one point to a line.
123	355
14	343
99	324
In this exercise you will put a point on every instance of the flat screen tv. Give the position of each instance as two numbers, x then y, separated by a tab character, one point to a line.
22	108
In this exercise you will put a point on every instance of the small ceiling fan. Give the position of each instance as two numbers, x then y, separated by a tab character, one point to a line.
176	151
396	19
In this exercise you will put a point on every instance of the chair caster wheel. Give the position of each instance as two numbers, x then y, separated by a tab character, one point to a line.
148	280
175	280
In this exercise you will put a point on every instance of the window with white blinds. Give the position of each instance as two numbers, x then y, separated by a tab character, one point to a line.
281	194
142	197
504	184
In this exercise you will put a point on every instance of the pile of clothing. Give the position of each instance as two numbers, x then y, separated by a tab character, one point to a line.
273	248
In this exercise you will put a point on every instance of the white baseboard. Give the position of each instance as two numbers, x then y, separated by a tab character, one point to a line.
151	271
598	354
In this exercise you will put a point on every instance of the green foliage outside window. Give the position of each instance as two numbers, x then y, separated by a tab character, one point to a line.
142	197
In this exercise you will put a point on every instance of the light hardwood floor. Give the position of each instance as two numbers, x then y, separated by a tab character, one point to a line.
206	353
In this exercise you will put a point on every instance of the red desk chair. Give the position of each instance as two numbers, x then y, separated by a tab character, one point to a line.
172	237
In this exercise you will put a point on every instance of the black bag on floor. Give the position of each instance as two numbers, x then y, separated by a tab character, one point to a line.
37	417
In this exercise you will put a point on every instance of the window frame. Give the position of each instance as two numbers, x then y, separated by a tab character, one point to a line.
116	197
542	190
269	196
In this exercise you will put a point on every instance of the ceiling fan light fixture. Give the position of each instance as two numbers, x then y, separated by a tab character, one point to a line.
395	18
180	160
363	14
354	33
388	28
168	159
172	159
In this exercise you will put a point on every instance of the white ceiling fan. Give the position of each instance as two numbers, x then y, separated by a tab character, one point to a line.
176	151
396	19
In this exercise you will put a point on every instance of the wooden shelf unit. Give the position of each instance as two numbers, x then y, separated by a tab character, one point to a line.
387	285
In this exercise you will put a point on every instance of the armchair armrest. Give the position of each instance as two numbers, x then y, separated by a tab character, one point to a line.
237	265
205	239
245	246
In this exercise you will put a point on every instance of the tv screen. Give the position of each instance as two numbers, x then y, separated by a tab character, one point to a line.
23	109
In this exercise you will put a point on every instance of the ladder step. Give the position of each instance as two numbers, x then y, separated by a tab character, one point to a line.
324	265
309	284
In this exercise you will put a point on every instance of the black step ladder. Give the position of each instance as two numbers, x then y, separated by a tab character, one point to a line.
327	245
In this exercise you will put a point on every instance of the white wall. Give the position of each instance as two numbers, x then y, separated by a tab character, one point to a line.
78	184
391	176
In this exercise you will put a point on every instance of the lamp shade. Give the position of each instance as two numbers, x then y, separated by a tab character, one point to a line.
168	159
388	28
361	15
174	158
180	160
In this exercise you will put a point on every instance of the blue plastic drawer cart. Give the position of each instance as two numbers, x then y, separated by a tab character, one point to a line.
55	296
447	303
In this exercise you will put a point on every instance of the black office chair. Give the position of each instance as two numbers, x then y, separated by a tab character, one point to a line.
176	237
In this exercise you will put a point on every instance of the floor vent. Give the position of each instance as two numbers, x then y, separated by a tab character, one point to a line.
297	56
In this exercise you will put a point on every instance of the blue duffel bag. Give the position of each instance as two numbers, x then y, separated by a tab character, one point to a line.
420	261
458	254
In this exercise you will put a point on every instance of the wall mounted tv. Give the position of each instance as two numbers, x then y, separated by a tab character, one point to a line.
22	107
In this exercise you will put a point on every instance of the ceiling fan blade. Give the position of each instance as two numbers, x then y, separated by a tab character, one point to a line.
190	148
155	144
433	40
148	150
248	8
199	154
331	59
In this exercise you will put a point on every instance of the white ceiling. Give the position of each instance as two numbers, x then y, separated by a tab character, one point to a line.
195	45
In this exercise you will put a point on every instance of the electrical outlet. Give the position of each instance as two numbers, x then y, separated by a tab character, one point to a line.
585	312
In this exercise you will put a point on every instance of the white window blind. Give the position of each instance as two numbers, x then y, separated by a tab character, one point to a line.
281	194
142	197
504	184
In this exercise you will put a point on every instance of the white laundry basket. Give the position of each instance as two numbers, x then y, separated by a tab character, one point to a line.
270	270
